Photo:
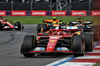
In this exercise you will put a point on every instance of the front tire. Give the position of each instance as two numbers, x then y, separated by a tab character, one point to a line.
29	43
78	45
18	24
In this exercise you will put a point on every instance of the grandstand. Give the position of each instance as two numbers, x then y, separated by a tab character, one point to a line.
50	5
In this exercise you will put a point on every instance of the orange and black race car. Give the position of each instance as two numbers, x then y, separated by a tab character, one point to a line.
86	25
51	21
49	24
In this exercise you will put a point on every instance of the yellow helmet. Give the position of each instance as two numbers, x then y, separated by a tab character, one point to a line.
54	22
54	18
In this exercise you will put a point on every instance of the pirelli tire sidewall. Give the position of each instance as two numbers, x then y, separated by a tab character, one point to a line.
78	45
29	43
18	24
88	36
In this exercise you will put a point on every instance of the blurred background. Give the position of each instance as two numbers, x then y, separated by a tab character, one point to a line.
49	5
86	9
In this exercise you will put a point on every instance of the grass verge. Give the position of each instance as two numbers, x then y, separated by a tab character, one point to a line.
98	64
38	19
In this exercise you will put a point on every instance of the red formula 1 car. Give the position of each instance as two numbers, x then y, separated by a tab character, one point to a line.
8	25
69	40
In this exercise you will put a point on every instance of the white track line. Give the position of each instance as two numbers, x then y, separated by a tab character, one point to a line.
76	64
56	62
88	57
94	51
97	47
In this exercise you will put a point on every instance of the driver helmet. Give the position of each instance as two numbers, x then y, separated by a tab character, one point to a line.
54	22
54	18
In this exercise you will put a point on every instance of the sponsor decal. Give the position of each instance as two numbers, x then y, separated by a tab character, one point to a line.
38	13
52	40
2	13
39	49
78	13
54	37
95	13
58	13
18	13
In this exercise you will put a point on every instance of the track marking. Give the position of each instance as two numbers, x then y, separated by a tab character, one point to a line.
76	64
66	59
93	54
87	60
94	51
97	47
88	57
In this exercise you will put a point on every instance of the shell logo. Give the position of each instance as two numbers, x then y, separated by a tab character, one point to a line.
52	40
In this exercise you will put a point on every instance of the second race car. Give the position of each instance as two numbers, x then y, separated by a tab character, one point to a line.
8	25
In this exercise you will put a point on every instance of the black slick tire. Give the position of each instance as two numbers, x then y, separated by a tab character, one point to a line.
78	45
29	43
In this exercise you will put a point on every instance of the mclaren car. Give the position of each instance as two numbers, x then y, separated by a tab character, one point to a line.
48	24
88	27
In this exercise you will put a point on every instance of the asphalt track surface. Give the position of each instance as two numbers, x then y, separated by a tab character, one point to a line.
10	43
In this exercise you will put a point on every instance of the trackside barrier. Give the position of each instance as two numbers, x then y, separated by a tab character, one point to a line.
49	13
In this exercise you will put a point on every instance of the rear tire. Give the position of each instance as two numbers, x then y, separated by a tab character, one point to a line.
44	26
88	41
78	45
38	28
18	24
29	43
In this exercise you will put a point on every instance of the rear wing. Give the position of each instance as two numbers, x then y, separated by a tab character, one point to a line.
84	22
52	20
